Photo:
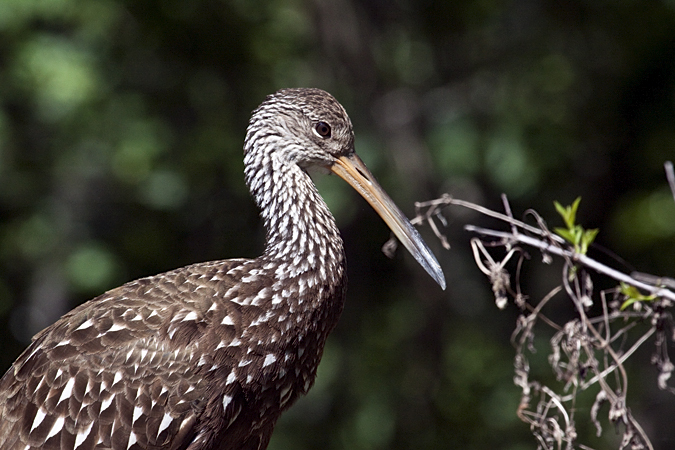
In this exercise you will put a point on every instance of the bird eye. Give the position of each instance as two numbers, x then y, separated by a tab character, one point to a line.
322	129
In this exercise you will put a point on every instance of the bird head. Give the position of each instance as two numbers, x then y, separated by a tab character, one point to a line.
312	126
309	128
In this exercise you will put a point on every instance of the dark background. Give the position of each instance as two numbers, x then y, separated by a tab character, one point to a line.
121	129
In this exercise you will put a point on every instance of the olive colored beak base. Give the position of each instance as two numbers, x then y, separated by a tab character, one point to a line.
352	169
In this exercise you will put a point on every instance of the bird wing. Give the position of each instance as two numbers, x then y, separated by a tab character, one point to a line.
106	375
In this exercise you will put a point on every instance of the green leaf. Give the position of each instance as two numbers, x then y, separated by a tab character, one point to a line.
568	213
574	234
561	209
573	212
627	303
566	234
587	239
630	290
633	295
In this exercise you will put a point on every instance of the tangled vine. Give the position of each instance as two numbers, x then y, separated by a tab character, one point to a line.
589	350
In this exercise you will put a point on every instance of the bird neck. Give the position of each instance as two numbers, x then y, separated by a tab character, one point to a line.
300	228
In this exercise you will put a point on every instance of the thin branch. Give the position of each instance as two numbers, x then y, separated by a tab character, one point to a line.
624	357
670	176
584	260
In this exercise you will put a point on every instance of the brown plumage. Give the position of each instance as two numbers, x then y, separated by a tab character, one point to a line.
208	356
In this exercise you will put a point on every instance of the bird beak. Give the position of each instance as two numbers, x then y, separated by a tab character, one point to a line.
351	169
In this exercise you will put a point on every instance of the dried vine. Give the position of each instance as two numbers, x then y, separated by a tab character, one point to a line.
588	351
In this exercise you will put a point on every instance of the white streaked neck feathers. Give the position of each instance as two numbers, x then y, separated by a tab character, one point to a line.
300	228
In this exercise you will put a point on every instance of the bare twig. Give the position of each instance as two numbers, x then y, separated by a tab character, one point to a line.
670	176
547	247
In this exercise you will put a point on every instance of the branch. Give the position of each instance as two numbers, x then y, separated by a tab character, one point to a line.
586	350
583	260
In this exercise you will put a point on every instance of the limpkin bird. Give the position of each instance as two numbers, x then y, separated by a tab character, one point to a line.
208	356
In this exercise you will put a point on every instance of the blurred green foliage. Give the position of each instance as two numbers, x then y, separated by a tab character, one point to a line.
121	128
